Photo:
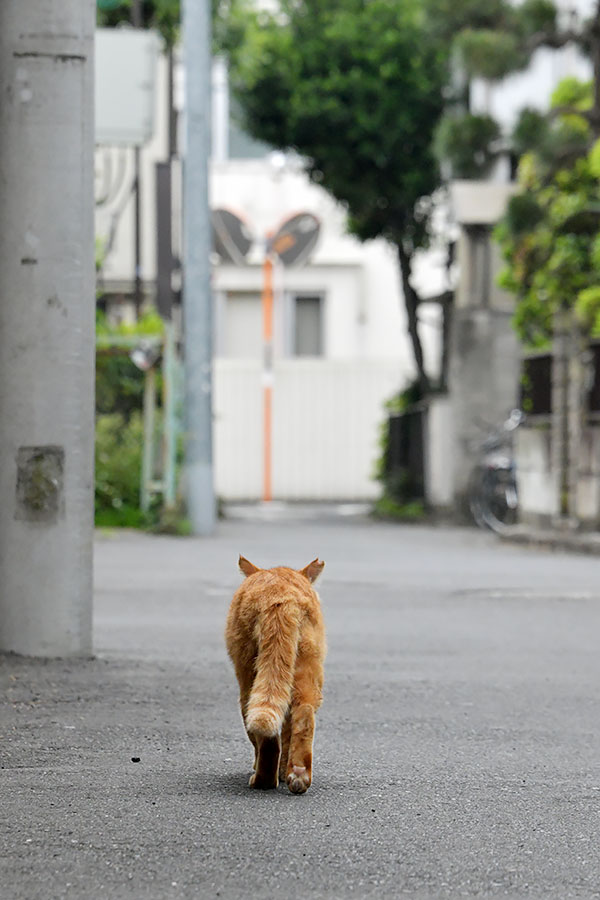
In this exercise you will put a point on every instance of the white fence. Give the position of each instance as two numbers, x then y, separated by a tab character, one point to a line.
326	418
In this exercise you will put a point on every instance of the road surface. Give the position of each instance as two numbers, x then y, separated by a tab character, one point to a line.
457	751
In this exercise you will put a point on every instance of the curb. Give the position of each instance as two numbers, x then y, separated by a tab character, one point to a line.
572	542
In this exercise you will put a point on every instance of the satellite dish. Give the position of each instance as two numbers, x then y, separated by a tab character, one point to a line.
231	236
296	239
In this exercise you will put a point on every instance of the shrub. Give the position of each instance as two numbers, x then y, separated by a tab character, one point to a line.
118	457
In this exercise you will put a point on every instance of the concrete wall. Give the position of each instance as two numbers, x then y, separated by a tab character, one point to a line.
538	485
439	432
485	360
484	383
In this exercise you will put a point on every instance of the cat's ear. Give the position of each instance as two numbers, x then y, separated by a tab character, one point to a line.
246	567
313	569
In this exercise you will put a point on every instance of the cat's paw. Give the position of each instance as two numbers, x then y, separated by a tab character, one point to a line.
298	781
262	783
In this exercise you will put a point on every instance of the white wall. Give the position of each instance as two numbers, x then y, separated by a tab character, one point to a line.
326	418
538	487
439	436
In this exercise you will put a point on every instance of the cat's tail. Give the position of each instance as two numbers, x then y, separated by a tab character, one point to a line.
278	631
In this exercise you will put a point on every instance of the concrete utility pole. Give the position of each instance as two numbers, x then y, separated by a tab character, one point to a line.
46	326
197	301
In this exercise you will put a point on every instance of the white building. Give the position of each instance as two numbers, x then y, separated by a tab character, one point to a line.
341	347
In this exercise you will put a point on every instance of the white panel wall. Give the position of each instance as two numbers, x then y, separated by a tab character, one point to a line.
238	445
326	418
440	435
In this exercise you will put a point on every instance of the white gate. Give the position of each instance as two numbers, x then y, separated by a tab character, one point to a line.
325	428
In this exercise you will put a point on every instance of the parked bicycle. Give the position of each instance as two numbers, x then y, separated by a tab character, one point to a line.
492	490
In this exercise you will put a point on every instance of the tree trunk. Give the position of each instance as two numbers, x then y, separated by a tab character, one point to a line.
411	301
447	310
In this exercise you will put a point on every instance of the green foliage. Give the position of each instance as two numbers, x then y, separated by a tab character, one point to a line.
587	307
524	214
492	38
119	431
165	17
148	324
490	54
118	461
119	383
399	490
491	45
537	16
387	508
594	159
467	142
572	93
530	132
398	403
549	236
356	89
173	521
447	18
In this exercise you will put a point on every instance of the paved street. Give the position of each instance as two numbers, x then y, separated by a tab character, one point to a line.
457	750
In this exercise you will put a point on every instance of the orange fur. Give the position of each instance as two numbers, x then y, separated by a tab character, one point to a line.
276	640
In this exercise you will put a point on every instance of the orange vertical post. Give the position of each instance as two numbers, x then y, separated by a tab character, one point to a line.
267	308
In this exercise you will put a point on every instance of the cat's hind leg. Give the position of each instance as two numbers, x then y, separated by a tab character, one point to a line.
245	682
299	764
286	732
266	775
306	700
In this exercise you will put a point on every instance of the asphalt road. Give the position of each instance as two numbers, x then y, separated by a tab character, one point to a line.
457	750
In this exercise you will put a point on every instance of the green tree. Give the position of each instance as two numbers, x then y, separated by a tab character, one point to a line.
165	17
371	94
490	43
550	236
356	89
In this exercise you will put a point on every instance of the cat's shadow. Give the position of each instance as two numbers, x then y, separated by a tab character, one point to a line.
233	784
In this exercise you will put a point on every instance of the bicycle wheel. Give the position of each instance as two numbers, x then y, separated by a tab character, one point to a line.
498	499
476	497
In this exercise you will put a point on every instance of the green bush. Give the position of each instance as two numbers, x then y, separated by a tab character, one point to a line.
401	497
119	384
119	444
468	142
119	424
387	508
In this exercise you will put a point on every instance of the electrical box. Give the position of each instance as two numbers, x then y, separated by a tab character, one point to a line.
125	93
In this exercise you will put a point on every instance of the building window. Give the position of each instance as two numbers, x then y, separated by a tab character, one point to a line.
307	325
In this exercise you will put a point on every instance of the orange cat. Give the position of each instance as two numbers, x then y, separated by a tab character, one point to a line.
276	640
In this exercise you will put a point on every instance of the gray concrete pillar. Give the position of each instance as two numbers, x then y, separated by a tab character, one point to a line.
197	298
46	326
